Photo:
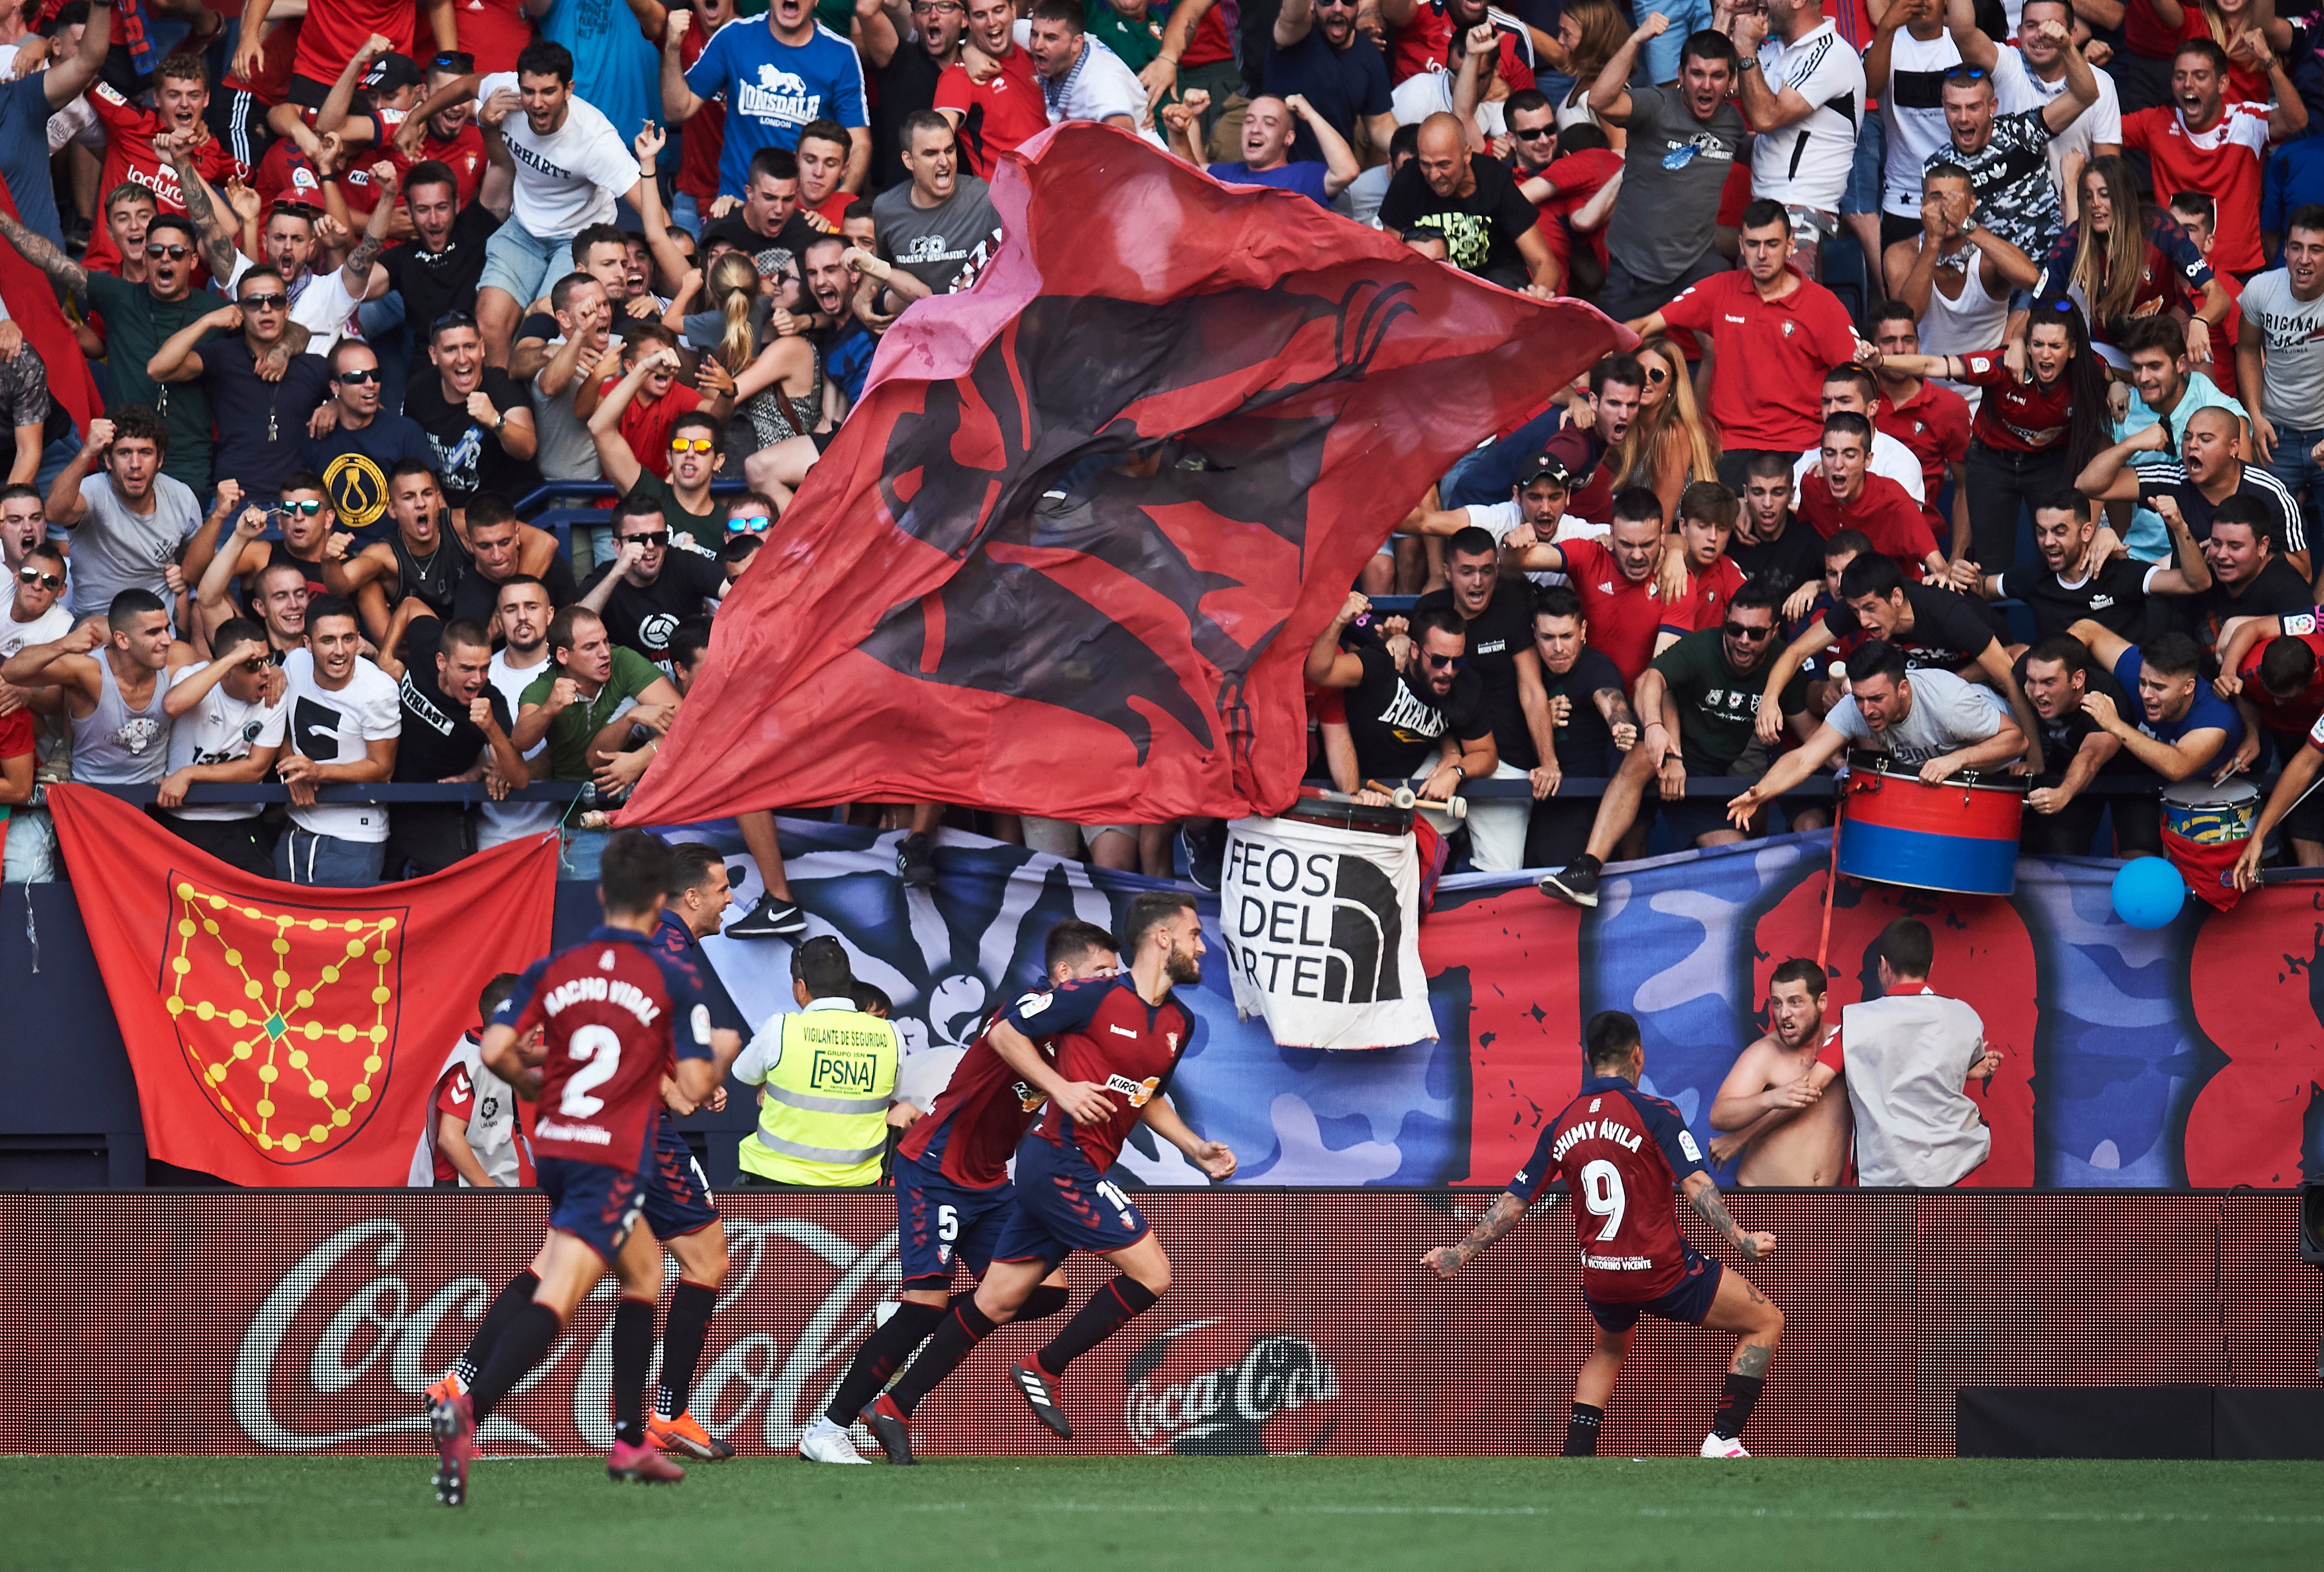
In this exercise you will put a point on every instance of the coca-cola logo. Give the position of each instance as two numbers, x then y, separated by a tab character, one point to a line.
341	1350
1189	1393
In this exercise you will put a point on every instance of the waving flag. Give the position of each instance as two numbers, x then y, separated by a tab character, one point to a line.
1068	553
32	302
282	1035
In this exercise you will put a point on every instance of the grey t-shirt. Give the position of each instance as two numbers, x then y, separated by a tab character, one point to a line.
1672	176
114	549
2292	386
567	451
1948	713
944	246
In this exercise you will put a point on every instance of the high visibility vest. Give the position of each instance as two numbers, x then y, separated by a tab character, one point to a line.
825	1120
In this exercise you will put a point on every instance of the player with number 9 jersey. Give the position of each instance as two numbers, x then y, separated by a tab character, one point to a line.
1622	1151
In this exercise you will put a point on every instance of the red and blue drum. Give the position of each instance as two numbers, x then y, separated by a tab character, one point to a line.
1960	836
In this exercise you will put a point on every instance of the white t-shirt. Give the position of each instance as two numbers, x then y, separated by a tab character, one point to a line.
218	730
1806	164
2016	88
46	628
1427	93
569	179
1912	109
1500	518
1889	458
337	726
320	302
506	821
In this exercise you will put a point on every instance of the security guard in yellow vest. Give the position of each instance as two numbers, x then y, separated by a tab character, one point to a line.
829	1072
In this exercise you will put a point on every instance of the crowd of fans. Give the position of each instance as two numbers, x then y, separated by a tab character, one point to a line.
1915	282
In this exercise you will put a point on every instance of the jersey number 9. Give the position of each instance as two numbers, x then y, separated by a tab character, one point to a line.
1601	1193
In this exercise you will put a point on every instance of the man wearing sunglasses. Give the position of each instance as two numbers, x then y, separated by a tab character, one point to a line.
689	452
1424	723
648	590
752	513
353	443
1496	614
261	421
37	585
1315	52
227	723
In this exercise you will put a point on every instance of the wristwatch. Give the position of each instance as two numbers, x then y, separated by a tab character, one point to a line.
1747	63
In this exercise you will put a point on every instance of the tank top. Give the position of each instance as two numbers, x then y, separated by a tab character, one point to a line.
1964	326
116	745
774	416
434	580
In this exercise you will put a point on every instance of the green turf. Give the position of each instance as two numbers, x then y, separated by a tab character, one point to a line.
340	1514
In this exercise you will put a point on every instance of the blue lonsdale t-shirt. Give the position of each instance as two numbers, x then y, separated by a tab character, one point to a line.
772	90
2209	711
1303	176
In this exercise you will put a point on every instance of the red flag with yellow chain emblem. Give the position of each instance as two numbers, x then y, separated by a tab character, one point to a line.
283	1035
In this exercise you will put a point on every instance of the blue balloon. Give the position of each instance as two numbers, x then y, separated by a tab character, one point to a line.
2148	893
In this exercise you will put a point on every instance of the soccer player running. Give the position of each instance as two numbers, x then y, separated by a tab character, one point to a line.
1619	1151
1118	1041
618	1016
953	1196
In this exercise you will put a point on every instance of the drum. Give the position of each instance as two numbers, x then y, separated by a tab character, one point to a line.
2209	815
1960	836
1334	811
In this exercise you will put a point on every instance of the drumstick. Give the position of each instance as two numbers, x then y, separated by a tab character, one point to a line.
1406	797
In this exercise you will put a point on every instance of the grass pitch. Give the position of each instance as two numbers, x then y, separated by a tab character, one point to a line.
339	1514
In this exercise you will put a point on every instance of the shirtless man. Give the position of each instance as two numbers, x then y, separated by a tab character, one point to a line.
1772	1106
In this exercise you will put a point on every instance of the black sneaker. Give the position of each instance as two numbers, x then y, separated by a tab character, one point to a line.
771	918
1576	884
1206	851
916	861
1039	1389
888	1423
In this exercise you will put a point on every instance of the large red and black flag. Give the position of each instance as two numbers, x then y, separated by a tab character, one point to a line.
1067	555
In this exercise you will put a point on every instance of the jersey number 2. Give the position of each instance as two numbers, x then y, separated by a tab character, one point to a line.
1601	1193
599	1049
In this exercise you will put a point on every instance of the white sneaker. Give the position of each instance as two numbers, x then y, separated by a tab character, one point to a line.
825	1442
1718	1445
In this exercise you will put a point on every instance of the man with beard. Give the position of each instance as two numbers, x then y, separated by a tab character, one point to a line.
1424	723
477	418
181	97
1117	1042
1772	1106
353	444
521	614
455	727
648	589
262	419
1475	206
1618	582
585	702
1497	616
444	134
847	347
130	523
1267	147
320	302
501	549
1080	78
440	266
939	229
225	728
2113	594
2056	674
416	570
2199	142
1316	53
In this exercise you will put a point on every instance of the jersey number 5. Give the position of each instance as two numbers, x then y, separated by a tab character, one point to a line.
1601	1193
599	1049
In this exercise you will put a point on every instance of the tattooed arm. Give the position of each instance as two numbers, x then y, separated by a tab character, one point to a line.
1505	1214
38	250
356	276
218	247
1702	1194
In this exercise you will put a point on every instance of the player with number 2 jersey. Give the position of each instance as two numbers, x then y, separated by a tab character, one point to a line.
1620	1150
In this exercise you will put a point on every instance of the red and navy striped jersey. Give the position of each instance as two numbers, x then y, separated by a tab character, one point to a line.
616	1014
979	1117
1105	1034
1620	1150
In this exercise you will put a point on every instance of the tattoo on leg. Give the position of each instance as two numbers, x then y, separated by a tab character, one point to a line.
1751	1359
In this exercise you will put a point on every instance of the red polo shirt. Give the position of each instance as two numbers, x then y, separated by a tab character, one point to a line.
997	116
1624	617
1766	389
1706	606
1892	520
1934	424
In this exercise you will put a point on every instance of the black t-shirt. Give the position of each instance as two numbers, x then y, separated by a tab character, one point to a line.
2062	738
469	456
1496	639
643	618
2276	505
2274	592
1397	728
438	739
1343	84
262	426
475	596
1480	230
2115	598
905	83
1947	630
433	282
1786	562
1585	745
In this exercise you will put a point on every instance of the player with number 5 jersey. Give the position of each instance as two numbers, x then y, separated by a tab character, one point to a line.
617	1016
1620	1152
1118	1040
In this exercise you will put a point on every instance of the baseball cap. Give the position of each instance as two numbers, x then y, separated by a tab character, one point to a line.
1543	467
391	72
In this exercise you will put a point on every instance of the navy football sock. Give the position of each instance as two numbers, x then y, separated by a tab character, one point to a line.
882	1354
956	1335
682	1336
518	1349
1042	1303
503	1308
1735	1404
1581	1431
1097	1320
633	1341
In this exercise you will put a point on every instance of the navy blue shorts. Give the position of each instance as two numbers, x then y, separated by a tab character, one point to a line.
596	1203
938	1222
1064	1204
1687	1303
678	1201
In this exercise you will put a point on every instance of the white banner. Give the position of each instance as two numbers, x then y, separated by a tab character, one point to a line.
1322	934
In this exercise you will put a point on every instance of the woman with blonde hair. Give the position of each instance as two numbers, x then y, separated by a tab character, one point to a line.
755	330
1671	441
1587	35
